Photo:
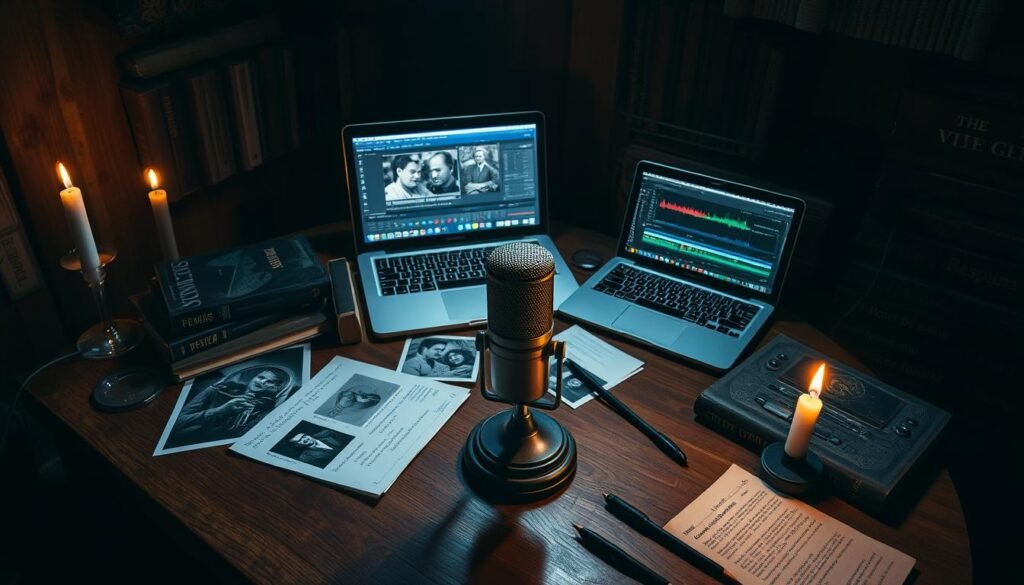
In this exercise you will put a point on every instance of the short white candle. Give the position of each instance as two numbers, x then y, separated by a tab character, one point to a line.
162	216
808	406
78	222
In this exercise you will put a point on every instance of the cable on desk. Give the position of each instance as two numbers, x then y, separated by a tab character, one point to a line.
17	394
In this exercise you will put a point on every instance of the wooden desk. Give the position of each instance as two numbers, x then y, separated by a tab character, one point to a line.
278	527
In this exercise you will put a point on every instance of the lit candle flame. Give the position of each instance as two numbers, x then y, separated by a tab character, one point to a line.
63	173
154	180
815	388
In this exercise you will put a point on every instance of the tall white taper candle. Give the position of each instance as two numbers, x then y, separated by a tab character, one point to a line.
162	217
78	223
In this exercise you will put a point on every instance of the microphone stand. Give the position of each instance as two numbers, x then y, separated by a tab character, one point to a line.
519	455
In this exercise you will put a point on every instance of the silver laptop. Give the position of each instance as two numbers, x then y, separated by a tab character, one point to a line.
429	200
700	265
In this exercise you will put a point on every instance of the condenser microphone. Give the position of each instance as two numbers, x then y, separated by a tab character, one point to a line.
519	455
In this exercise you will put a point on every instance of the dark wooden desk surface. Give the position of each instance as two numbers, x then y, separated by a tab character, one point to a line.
279	527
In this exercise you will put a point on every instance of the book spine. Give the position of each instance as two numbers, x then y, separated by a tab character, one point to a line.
210	338
726	422
182	139
247	124
186	321
149	130
209	109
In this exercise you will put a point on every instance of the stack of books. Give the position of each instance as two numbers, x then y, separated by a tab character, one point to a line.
212	310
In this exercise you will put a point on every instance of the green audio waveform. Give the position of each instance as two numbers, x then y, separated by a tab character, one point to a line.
705	255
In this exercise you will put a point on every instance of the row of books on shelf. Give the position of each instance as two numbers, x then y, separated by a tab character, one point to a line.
696	76
205	109
207	311
959	28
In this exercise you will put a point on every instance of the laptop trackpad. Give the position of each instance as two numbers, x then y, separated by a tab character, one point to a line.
466	304
650	325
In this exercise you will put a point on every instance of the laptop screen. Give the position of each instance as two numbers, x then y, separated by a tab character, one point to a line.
444	182
738	239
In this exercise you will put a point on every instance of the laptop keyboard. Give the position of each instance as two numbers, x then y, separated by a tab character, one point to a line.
431	271
708	309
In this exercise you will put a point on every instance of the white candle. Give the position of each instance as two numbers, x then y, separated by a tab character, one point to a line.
162	216
78	222
808	406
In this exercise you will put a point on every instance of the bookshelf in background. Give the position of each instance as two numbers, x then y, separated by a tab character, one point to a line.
929	292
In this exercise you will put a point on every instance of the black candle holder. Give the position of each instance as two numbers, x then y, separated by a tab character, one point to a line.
800	477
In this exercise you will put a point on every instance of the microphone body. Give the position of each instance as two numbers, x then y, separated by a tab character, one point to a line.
520	323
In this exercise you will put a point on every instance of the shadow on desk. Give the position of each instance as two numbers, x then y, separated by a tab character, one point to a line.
72	519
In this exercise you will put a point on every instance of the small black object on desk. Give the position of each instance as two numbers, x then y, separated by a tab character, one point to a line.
659	439
639	521
800	477
586	259
617	557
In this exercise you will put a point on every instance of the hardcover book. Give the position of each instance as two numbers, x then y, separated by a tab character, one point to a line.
878	444
276	276
173	349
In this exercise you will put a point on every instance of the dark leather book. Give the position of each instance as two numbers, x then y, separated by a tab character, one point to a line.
202	291
209	108
879	444
174	349
276	74
158	118
152	61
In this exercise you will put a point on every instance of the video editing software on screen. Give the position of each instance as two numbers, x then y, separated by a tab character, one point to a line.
444	182
730	237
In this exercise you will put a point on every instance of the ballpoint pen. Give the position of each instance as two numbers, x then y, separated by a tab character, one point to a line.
663	442
617	557
639	521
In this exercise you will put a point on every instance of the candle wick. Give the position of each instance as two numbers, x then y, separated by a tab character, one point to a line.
814	393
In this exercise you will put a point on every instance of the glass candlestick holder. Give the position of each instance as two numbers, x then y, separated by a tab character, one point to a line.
110	337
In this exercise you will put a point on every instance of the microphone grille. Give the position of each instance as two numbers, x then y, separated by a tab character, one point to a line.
520	291
520	261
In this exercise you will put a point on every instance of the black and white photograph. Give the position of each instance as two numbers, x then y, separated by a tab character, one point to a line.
312	444
219	407
421	175
479	168
441	357
573	390
357	399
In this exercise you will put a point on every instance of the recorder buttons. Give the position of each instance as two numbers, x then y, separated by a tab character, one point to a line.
774	364
903	430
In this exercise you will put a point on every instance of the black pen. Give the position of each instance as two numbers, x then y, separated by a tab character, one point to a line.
639	521
617	557
663	442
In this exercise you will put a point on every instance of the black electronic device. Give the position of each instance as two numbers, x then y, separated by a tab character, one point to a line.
588	260
875	441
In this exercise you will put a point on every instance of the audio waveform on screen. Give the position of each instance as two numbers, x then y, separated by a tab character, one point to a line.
724	220
707	255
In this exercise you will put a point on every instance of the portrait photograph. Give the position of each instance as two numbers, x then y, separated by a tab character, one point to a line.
479	168
573	391
219	407
414	176
312	444
441	357
357	400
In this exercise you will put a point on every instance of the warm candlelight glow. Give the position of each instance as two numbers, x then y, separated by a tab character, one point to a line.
63	173
154	180
819	377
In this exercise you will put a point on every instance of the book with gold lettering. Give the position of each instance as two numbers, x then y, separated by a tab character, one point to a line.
277	276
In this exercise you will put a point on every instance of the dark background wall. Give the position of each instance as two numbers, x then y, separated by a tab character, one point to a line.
892	260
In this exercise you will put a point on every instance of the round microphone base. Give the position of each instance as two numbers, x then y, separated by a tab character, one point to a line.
519	456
